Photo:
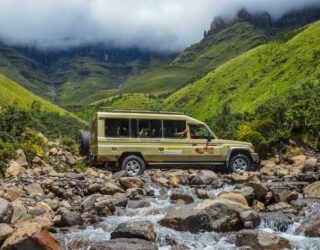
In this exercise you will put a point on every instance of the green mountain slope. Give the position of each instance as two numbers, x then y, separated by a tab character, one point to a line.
254	77
11	92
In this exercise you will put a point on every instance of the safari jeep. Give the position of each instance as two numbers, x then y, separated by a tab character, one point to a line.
133	140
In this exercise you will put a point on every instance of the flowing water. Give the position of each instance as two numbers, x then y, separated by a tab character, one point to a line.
160	203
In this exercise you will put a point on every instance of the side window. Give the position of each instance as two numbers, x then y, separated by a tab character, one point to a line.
144	128
174	129
198	132
134	128
116	127
150	128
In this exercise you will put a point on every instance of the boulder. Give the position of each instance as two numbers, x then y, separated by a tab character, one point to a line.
135	229
261	240
260	190
209	215
310	226
21	158
202	193
247	192
240	177
310	165
6	211
5	231
34	189
123	244
135	192
278	206
280	195
250	219
12	194
53	151
69	219
111	188
204	177
14	169
181	198
312	190
130	182
137	204
235	197
175	181
30	236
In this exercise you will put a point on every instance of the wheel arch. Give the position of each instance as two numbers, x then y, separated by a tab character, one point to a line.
235	151
125	154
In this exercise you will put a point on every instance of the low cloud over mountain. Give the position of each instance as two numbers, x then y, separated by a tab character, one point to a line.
161	25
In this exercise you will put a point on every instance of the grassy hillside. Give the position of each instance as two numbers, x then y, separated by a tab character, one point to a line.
254	77
11	92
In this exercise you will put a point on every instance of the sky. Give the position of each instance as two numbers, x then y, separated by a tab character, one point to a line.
159	25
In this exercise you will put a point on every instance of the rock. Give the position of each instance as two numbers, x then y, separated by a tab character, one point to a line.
278	206
33	190
258	205
111	188
53	151
260	190
94	187
261	240
181	198
240	177
310	165
6	211
280	195
21	158
250	219
267	167
208	215
174	181
119	174
19	211
203	194
5	231
70	219
12	194
37	160
30	236
247	192
312	190
137	204
282	172
135	229
135	192
123	244
235	197
204	177
310	227
161	180
14	169
130	182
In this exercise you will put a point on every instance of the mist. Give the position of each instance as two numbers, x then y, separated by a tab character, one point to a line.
158	25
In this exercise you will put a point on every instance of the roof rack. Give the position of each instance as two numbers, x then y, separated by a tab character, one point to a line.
169	112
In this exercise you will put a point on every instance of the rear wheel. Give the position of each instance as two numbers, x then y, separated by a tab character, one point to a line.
84	147
133	165
240	163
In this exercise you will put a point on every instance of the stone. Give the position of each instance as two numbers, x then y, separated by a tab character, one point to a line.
239	177
174	181
250	219
181	198
280	195
123	244
30	236
260	190
135	229
247	192
21	158
312	190
137	204
310	226
12	194
204	177
203	194
135	192
14	169
130	182
261	240
33	190
111	188
208	215
278	206
37	160
235	197
69	219
19	211
5	231
53	151
6	211
258	205
310	165
119	174
94	187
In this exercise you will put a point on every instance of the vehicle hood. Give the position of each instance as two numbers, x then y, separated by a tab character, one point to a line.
240	143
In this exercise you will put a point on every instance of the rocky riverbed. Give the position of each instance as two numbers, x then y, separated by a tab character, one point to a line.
275	208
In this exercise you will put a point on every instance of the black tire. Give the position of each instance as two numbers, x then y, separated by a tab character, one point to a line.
84	146
133	165
240	163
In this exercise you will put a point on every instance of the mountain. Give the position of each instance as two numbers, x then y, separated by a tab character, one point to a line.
254	77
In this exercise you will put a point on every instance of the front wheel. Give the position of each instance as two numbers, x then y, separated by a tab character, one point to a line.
133	165
240	163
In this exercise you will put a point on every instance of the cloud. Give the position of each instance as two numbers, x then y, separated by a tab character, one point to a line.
161	25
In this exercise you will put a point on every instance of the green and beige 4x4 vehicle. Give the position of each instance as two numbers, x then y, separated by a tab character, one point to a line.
133	140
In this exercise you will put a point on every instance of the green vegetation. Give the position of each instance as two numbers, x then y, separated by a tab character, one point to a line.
275	75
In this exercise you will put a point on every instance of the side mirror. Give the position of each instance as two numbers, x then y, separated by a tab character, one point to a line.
209	137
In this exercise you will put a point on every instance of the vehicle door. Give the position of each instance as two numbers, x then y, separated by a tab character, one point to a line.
204	147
